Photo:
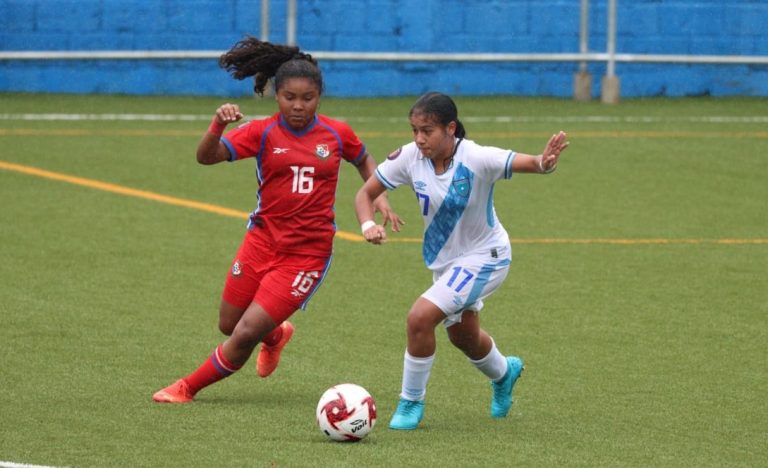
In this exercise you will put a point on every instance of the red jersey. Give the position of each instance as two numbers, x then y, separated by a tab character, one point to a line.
298	174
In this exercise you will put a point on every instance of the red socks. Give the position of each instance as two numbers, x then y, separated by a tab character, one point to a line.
218	367
215	368
274	336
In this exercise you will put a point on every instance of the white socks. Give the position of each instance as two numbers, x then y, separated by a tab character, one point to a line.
415	376
416	371
494	365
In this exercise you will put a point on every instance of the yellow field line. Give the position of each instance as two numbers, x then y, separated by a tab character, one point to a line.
220	210
393	238
587	134
107	187
74	132
640	241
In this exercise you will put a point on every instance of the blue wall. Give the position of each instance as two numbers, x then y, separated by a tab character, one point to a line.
711	27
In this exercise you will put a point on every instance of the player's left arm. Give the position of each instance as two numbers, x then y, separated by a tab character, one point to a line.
366	168
544	163
371	190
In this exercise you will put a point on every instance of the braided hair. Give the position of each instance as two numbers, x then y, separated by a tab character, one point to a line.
264	60
442	108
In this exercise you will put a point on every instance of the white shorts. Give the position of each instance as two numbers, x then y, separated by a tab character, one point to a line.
463	284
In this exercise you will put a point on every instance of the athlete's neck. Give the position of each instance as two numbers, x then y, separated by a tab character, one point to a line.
443	163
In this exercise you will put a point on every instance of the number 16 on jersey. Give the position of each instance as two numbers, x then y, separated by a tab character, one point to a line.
303	181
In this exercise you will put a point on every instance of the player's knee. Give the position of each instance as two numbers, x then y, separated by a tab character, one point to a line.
226	326
419	323
229	316
247	334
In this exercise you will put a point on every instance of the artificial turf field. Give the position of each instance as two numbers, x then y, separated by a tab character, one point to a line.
637	296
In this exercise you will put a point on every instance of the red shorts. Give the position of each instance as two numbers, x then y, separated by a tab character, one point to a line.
280	283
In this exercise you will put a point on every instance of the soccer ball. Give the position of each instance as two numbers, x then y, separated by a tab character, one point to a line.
346	412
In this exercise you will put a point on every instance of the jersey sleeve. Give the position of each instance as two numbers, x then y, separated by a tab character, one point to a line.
494	163
395	170
352	148
244	141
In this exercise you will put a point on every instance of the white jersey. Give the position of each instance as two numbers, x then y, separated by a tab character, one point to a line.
457	206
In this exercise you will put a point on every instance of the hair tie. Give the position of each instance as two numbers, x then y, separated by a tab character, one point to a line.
301	56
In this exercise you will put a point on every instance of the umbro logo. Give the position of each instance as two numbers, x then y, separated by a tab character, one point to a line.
279	150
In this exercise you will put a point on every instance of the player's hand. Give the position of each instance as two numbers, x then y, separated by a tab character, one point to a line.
393	218
551	154
381	204
376	234
228	113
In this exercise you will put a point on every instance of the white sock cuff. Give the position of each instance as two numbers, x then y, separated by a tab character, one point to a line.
487	357
415	376
419	363
494	365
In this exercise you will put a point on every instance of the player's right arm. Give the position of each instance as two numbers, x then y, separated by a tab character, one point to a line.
546	162
211	150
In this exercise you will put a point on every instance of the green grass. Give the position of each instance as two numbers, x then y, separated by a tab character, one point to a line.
643	328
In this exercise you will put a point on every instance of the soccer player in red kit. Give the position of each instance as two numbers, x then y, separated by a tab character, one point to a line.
287	249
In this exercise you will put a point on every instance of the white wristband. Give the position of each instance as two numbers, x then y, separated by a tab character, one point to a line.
541	167
367	225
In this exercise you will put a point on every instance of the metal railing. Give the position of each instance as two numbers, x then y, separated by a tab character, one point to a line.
395	56
610	57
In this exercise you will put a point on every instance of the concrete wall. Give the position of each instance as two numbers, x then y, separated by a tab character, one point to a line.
712	27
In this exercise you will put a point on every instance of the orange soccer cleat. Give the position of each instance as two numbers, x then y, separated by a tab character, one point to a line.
177	392
269	356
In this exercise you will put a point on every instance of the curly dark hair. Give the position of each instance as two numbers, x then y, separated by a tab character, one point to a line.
264	60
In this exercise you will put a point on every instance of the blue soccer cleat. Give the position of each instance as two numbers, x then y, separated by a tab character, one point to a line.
501	401
408	415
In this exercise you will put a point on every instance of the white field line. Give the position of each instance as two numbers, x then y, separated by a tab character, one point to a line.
7	464
715	119
109	117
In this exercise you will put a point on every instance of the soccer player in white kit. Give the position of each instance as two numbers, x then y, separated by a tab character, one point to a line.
465	245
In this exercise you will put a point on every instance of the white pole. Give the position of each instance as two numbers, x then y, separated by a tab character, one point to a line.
582	80
610	83
584	33
611	38
264	20
291	23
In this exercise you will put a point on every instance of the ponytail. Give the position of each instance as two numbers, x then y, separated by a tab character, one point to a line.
460	131
264	61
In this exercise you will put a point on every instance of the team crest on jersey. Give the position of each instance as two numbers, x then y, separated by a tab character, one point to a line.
322	151
462	187
236	270
394	154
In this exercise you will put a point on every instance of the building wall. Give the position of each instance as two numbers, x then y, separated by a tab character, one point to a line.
711	27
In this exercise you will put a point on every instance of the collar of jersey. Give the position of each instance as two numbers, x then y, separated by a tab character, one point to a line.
456	143
309	127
